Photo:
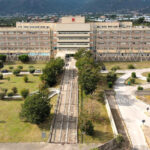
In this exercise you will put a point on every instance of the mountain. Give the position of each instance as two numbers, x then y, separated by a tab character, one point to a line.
70	6
116	5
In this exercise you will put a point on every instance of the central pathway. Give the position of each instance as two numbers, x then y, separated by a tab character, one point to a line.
66	118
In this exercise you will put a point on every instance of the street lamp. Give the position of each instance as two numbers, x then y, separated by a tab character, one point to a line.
147	109
82	135
143	121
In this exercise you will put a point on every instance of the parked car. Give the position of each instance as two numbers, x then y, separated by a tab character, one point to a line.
38	71
4	71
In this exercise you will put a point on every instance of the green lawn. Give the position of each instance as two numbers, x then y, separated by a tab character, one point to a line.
124	65
137	81
145	74
12	129
96	111
25	66
17	81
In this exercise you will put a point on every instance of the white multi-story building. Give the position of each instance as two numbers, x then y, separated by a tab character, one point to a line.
108	40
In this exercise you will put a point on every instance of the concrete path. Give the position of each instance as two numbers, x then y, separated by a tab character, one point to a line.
132	109
45	146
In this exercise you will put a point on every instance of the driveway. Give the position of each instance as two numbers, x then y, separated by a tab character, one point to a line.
132	109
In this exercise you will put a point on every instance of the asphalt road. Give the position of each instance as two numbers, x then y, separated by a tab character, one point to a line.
132	109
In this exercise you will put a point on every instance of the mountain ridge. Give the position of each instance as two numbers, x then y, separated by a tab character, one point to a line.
70	6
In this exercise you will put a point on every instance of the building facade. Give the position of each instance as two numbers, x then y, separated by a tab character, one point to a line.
110	41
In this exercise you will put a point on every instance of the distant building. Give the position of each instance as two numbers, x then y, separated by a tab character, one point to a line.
110	41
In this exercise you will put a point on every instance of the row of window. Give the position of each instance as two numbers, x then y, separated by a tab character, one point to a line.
73	32
22	32
73	43
123	43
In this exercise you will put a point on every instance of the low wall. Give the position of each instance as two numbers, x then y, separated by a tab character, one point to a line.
142	93
111	145
113	125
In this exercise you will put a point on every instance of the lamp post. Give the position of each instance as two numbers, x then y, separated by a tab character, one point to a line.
143	121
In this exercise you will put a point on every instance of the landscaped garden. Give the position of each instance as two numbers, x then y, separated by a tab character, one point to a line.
127	65
10	81
25	119
13	129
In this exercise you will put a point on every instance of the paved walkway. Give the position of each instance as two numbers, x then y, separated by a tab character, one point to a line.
45	146
132	109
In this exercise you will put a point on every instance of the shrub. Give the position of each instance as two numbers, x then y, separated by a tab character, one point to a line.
133	75
119	140
31	67
1	76
16	72
110	85
20	67
115	68
140	88
101	97
24	58
2	57
2	95
31	70
10	94
149	75
132	80
131	66
24	93
88	127
25	79
4	90
8	78
148	79
14	90
111	77
1	64
36	108
11	67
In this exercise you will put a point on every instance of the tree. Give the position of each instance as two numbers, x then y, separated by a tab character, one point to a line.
88	79
132	80
52	71
24	58
20	67
131	66
140	88
88	127
36	108
31	70
111	77
10	94
1	76
25	79
24	93
133	75
16	72
79	53
1	64
14	90
2	57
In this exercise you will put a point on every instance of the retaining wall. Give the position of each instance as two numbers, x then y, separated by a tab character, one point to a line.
113	125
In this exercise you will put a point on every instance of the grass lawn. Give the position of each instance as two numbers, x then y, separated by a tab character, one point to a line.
145	74
124	65
12	129
17	81
95	111
25	66
145	98
137	81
